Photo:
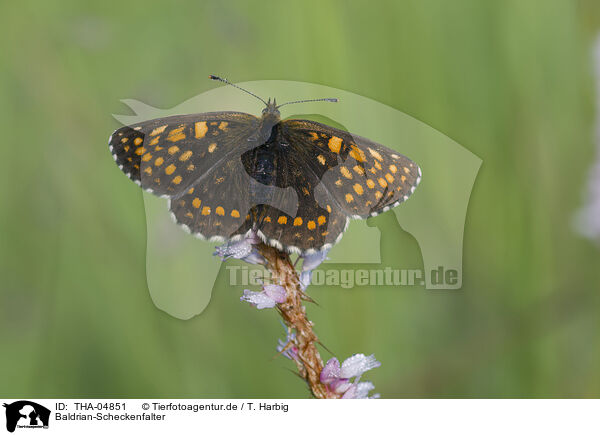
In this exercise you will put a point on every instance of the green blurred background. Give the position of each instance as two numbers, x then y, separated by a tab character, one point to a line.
509	80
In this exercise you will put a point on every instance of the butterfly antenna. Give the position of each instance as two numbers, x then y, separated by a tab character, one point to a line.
235	86
330	100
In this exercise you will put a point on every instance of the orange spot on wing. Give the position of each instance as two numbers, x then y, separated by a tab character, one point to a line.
382	182
235	213
375	154
349	198
154	141
138	141
282	220
158	130
186	155
345	172
159	161
311	225
357	154
177	179
170	169
389	177
176	134
196	203
205	210
370	183
335	143
173	149
140	151
321	220
298	221
358	189
393	169
220	211
359	170
223	125
212	147
321	159
200	129
147	157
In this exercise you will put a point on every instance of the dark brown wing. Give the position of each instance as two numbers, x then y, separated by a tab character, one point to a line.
193	160
167	155
361	177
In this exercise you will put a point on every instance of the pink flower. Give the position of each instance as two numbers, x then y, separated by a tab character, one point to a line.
270	296
337	377
291	351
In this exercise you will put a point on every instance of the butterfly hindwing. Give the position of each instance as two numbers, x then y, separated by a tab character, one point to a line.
310	229
216	206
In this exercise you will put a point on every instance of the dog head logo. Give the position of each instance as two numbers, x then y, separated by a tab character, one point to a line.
26	414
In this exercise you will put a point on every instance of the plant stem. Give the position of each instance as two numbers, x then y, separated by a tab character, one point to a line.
292	311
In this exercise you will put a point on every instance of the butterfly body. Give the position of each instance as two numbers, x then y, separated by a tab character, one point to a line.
296	183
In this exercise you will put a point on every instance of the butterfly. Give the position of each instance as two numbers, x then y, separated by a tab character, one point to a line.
295	183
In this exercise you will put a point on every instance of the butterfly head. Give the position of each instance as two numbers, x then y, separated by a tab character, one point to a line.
271	111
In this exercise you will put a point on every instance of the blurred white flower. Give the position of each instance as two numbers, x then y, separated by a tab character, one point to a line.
242	250
587	220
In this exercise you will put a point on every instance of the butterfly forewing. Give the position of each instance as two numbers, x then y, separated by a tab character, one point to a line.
167	155
362	177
